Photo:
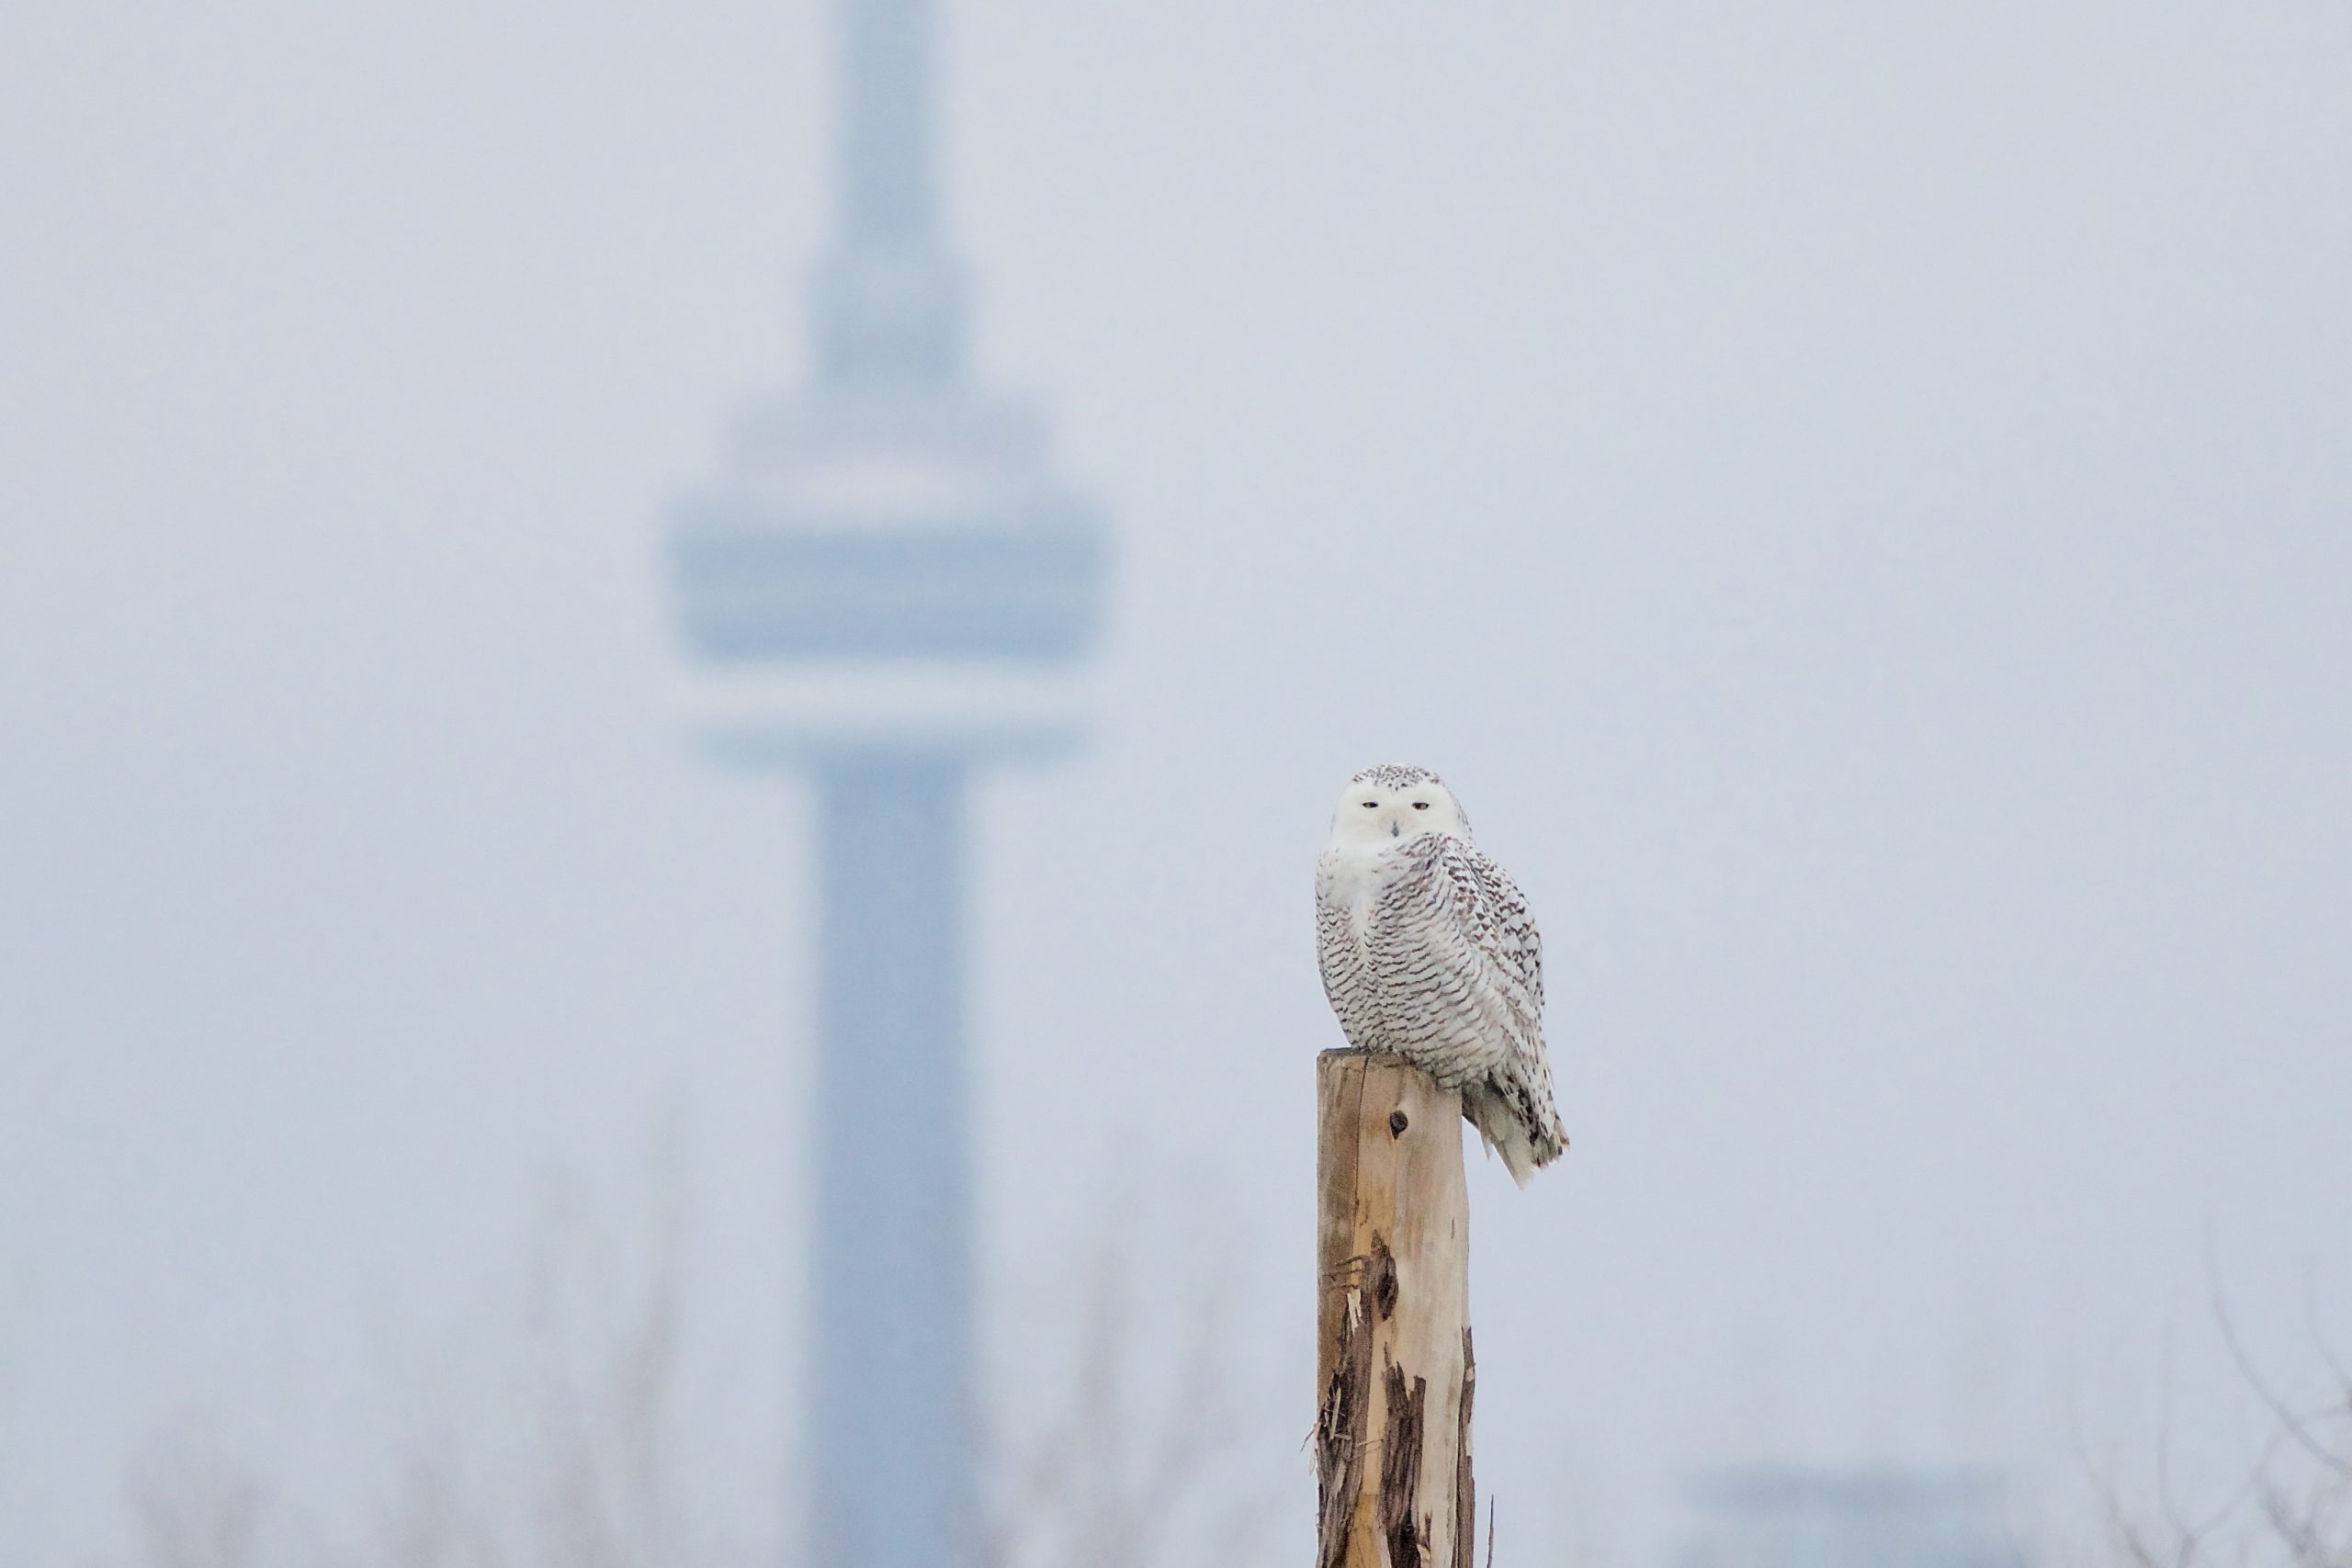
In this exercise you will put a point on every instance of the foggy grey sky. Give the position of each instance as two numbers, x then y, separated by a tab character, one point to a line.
1858	500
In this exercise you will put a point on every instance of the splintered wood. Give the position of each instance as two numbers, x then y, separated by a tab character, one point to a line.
1393	1359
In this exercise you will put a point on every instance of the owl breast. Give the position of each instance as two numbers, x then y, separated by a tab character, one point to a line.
1385	961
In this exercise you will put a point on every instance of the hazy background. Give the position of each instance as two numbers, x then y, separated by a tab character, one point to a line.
1858	499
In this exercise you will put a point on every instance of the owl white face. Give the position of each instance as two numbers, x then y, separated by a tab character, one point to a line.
1387	805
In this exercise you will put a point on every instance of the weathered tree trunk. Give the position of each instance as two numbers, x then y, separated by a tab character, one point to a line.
1393	1361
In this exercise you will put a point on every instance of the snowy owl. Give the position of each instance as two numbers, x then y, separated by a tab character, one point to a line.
1427	951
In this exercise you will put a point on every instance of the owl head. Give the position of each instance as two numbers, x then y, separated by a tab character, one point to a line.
1389	804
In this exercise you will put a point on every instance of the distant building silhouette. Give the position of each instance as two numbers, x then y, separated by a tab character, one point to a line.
1771	1517
885	589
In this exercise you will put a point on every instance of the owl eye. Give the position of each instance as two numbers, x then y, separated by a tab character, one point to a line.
1420	805
1372	805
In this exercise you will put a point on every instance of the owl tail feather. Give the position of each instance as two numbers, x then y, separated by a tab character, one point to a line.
1501	1132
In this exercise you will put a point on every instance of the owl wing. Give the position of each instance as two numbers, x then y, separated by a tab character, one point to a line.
1512	1109
1517	945
1493	943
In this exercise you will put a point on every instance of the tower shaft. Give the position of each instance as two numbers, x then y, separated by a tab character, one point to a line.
892	1437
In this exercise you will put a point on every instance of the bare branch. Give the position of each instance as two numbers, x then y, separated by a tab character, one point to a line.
2289	1421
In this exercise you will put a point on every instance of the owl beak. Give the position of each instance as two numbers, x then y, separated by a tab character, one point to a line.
1396	829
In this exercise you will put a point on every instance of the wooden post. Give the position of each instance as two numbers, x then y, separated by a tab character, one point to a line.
1393	1362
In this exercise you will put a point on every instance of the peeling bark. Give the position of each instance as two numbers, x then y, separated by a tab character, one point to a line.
1400	1470
1340	1434
1466	1493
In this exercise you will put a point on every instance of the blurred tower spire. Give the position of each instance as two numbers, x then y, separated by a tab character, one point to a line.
885	592
890	301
